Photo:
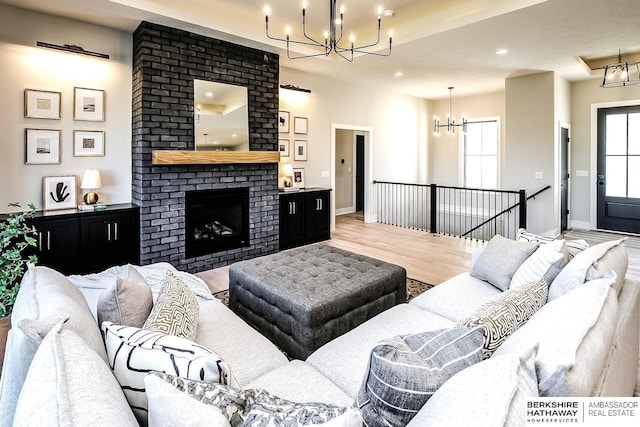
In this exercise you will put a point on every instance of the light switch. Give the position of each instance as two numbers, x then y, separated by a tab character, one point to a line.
324	174
582	173
539	175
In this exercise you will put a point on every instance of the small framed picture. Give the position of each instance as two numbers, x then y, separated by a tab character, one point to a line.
283	147
42	147
42	104
298	178
58	192
88	143
300	125
88	104
300	150
283	122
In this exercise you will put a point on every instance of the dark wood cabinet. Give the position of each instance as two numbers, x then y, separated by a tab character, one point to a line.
304	217
87	242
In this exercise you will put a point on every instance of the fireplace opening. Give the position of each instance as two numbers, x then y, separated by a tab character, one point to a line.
216	220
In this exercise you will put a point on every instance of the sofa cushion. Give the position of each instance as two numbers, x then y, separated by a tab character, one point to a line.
45	297
69	384
134	352
615	259
345	359
503	314
175	311
492	393
126	302
574	333
467	292
575	273
500	259
405	371
546	262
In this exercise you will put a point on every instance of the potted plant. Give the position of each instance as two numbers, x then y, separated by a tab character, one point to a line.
15	236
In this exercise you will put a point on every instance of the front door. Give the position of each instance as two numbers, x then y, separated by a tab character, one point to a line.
618	178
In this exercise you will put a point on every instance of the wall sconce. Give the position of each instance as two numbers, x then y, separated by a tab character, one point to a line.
296	88
71	48
91	181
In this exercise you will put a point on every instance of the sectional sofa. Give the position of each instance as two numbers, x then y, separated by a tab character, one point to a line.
583	342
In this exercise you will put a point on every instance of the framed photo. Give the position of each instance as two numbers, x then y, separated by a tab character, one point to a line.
42	104
59	192
300	125
42	146
88	104
283	147
87	143
283	122
300	150
298	178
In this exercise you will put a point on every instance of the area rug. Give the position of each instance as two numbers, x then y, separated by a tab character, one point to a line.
414	288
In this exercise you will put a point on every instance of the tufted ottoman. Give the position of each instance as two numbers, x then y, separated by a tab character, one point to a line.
303	298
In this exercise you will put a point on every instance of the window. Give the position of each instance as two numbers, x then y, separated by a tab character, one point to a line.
480	154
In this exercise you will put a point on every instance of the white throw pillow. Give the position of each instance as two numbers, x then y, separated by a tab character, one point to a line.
546	262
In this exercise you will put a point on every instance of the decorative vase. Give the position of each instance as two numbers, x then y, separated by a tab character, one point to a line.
5	325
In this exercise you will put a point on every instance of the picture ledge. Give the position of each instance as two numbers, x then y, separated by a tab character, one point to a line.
191	157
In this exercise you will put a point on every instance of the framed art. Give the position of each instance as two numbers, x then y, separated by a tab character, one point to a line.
42	146
283	122
298	178
42	104
300	125
88	143
300	150
88	104
283	147
58	192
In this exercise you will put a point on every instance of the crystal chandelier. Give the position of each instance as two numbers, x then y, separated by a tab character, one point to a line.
332	37
621	73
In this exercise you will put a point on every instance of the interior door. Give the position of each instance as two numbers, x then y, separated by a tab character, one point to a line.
618	179
564	178
359	172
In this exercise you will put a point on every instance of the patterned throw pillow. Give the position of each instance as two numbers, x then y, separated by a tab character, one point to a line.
134	352
571	247
175	311
406	370
503	314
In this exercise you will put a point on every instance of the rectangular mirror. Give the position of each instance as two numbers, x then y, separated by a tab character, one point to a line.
221	116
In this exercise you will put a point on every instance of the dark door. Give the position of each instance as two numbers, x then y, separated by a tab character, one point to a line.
317	220
359	172
58	244
564	178
618	179
108	240
292	231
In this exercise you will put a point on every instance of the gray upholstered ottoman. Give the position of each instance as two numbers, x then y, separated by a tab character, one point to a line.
304	297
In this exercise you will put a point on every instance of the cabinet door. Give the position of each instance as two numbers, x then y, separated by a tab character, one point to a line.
317	223
108	240
292	232
58	244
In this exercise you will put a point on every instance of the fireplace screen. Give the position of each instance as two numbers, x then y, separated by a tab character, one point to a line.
216	220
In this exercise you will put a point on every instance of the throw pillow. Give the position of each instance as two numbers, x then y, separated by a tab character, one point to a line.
126	303
546	261
406	370
570	249
492	393
69	384
574	334
134	352
500	259
526	236
175	311
503	314
615	259
574	274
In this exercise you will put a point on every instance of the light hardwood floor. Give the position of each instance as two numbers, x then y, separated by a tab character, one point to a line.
426	257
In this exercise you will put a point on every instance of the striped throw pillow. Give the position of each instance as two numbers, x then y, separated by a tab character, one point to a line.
406	370
546	261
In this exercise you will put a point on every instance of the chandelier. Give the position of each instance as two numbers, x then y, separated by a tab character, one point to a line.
620	73
332	37
451	123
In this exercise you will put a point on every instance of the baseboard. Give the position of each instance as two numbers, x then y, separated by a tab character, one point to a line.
581	225
344	211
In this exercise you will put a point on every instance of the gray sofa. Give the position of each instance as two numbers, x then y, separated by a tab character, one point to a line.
603	361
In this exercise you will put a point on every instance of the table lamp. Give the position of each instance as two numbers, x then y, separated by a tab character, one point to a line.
287	179
91	181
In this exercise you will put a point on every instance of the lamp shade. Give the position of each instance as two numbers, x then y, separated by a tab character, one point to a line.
288	169
91	180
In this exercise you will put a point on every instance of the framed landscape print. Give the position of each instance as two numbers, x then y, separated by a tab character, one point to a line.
300	125
283	122
298	178
59	192
88	143
42	104
42	146
88	104
283	147
300	150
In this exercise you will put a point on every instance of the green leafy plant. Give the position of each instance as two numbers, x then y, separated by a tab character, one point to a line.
15	236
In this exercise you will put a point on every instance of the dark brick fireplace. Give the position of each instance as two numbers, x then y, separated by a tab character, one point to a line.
166	61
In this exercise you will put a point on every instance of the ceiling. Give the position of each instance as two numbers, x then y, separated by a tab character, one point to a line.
437	43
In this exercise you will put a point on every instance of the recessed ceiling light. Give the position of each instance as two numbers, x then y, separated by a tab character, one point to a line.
399	74
502	52
209	94
389	13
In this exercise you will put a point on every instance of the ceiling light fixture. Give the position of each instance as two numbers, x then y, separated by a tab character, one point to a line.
502	52
451	123
621	73
72	49
332	37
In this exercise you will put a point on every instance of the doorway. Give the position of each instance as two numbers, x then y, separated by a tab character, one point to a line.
564	178
618	169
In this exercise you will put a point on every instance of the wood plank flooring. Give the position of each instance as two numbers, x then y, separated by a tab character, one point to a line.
426	257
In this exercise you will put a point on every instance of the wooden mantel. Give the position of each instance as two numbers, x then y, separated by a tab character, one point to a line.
192	157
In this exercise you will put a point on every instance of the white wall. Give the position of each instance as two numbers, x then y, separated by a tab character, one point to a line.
25	66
